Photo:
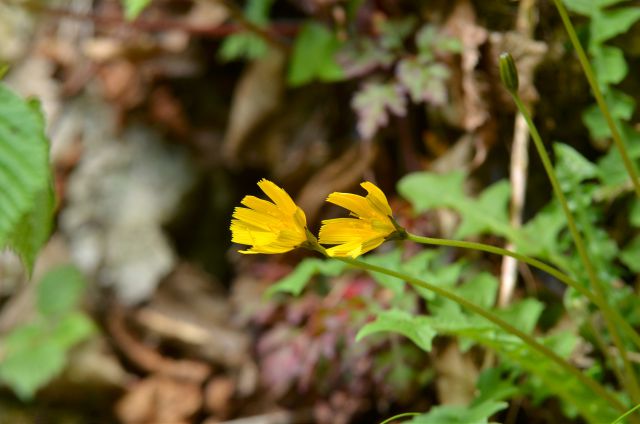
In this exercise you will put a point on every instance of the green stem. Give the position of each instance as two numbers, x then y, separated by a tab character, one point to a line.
626	414
536	264
529	340
403	415
588	71
631	382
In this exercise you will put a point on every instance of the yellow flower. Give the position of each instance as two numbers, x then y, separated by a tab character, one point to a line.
372	225
269	227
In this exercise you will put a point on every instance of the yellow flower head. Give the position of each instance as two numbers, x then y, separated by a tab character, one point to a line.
371	226
269	227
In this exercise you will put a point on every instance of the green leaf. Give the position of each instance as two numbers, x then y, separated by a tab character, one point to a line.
242	46
486	214
611	168
621	107
589	7
555	379
571	167
634	215
391	260
523	315
542	231
297	280
416	328
132	8
630	255
26	204
481	289
246	45
29	360
72	329
609	65
456	414
394	31
313	56
609	23
60	290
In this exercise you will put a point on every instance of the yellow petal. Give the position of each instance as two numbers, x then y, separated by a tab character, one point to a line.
356	204
256	219
261	205
242	234
345	230
280	197
377	198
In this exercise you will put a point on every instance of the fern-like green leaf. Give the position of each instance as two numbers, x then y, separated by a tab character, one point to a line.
26	197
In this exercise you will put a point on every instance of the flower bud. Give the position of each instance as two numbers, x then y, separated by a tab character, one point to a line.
508	72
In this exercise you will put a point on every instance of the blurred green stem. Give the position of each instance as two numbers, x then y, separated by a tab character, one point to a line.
588	71
631	382
599	302
490	316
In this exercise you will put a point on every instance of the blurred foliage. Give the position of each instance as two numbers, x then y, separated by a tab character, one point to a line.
246	45
35	352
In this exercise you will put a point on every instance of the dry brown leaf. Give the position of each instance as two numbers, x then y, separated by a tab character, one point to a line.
256	98
218	394
457	375
472	109
160	399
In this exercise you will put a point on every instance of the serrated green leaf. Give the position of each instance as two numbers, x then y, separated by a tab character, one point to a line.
487	213
25	205
60	290
415	328
391	260
609	65
457	414
571	167
523	315
132	8
611	168
313	56
542	231
481	289
297	280
607	24
511	348
621	107
589	7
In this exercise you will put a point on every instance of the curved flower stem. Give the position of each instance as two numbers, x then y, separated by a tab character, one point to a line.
631	382
633	335
398	416
588	71
529	340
